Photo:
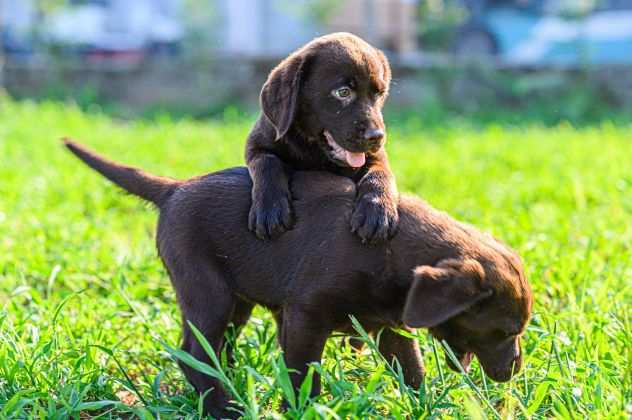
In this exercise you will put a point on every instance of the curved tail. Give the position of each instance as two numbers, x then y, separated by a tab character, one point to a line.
135	181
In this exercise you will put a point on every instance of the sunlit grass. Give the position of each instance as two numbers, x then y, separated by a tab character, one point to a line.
88	317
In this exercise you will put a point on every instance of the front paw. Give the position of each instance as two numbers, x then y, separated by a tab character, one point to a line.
374	219
270	216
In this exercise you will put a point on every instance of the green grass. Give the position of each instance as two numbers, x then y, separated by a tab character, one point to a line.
88	319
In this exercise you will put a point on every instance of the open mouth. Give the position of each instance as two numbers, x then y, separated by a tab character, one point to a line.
338	153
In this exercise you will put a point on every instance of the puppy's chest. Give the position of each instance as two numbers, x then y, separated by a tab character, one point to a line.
308	156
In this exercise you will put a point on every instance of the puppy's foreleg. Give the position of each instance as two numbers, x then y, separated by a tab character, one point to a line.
375	216
406	351
303	339
240	317
270	211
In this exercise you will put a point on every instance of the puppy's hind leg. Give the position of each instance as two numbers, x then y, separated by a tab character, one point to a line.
207	302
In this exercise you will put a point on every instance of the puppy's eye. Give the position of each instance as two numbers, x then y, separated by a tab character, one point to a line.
344	92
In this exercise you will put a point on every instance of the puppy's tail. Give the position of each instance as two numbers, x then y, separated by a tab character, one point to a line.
133	180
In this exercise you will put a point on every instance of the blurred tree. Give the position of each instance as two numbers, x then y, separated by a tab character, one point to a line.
438	23
321	10
575	8
200	19
318	11
47	6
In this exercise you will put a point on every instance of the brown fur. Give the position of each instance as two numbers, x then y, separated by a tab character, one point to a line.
298	106
465	286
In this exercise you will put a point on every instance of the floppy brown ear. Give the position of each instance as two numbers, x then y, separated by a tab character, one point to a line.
279	95
441	292
386	66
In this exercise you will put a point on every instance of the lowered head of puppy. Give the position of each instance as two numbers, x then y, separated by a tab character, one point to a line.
321	109
466	287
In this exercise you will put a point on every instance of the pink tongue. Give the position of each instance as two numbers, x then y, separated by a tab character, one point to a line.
355	160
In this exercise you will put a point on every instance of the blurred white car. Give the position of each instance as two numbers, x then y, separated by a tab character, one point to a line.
116	25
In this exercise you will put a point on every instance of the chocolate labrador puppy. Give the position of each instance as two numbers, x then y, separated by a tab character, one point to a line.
322	110
465	286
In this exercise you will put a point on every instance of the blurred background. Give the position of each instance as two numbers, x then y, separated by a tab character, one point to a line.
549	60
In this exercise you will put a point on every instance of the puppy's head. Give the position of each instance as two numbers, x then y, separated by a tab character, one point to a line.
478	310
333	90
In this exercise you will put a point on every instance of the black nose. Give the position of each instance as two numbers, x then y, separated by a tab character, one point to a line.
374	134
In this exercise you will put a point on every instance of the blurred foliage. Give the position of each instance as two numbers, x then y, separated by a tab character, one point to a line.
438	23
314	11
573	8
200	17
547	97
47	6
439	95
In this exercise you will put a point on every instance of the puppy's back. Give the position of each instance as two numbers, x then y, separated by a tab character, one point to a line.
208	216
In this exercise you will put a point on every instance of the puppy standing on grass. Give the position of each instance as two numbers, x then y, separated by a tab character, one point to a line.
322	110
465	286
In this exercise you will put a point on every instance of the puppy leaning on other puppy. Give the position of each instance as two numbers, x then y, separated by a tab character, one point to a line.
322	110
466	287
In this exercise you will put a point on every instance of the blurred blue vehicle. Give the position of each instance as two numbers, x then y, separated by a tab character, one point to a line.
535	33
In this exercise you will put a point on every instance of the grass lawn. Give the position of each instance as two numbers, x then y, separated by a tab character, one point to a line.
87	314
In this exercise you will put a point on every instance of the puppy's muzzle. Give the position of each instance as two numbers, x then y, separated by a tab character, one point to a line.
502	372
374	139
